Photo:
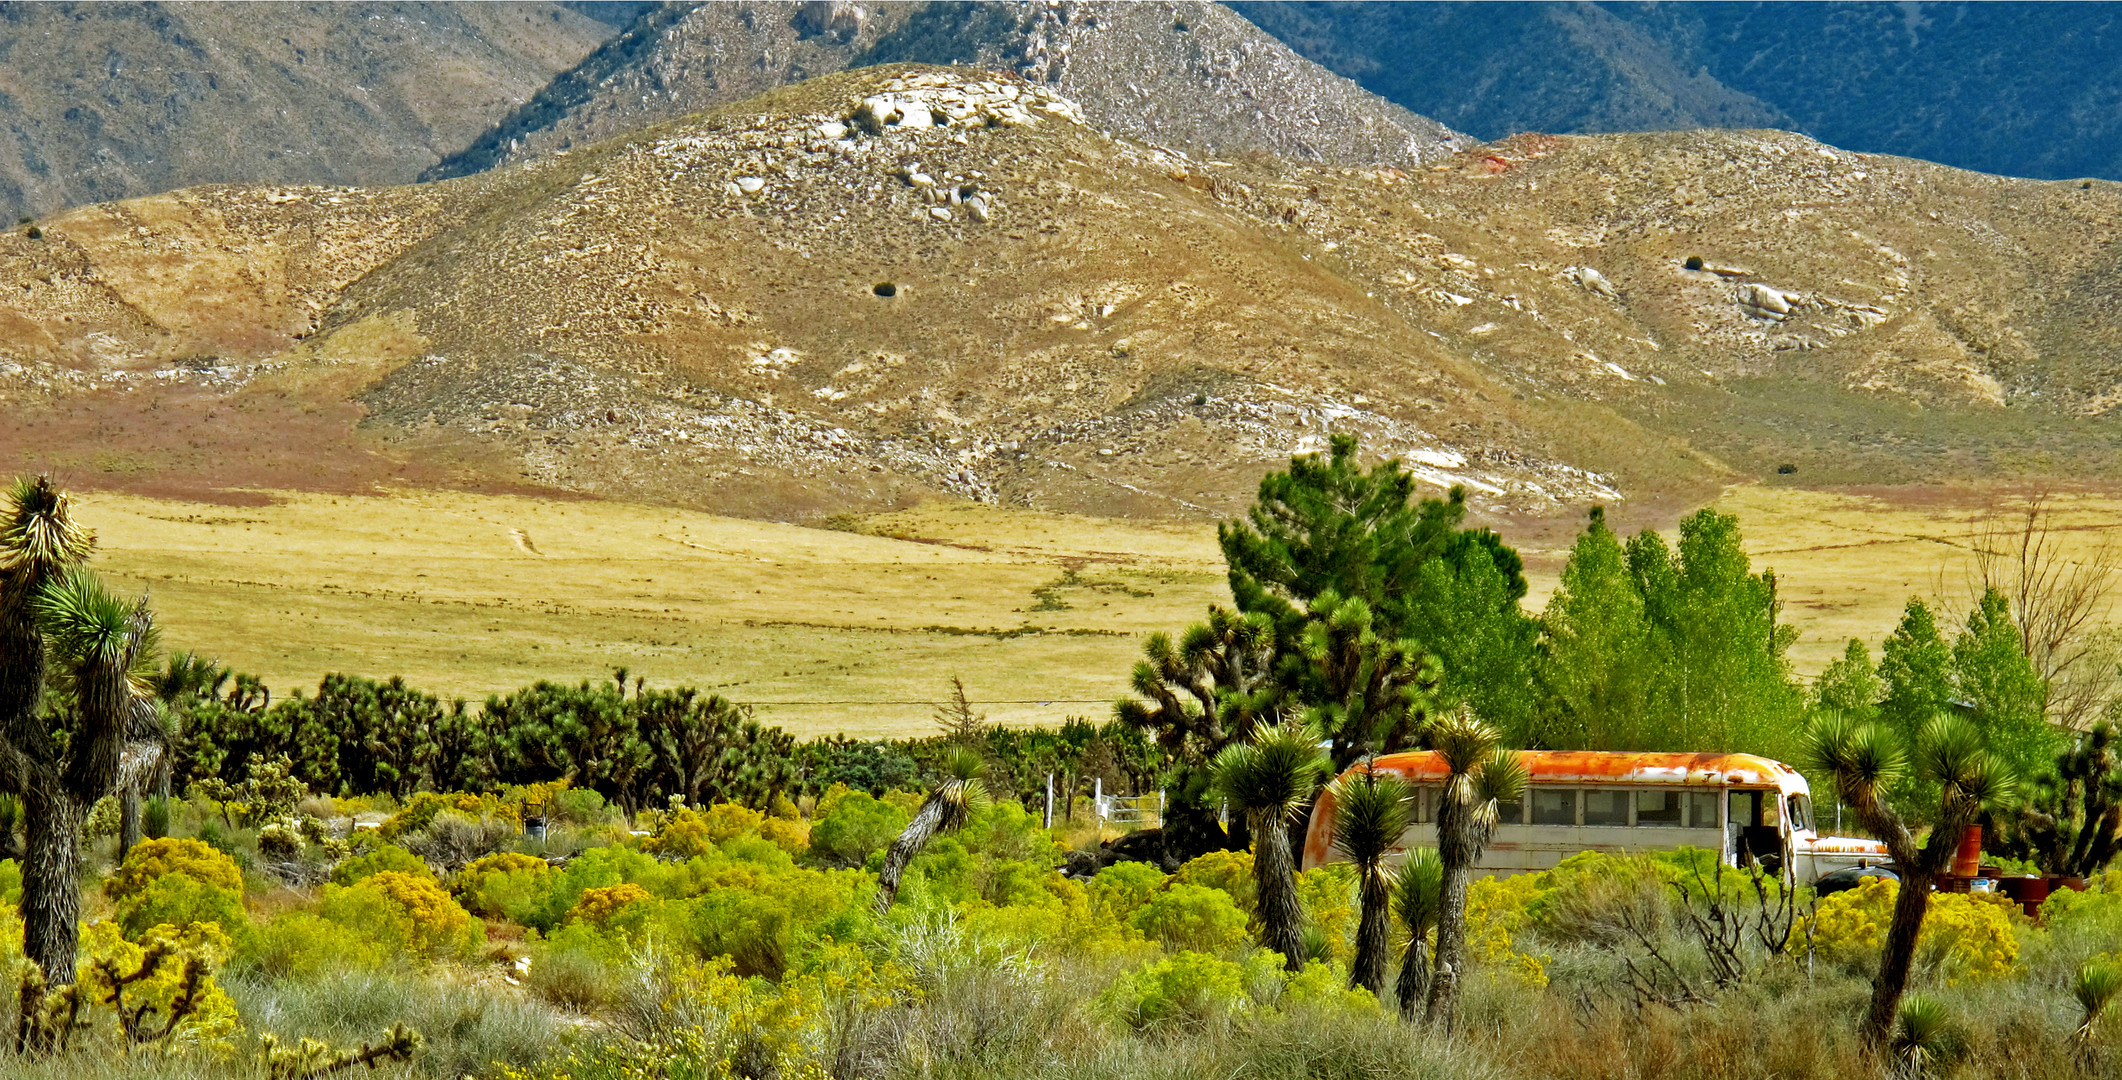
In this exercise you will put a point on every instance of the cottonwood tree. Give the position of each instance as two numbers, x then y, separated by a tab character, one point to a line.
1371	812
2060	598
62	632
1863	761
1479	776
1271	778
1653	646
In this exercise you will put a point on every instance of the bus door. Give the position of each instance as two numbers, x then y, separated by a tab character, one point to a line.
1754	828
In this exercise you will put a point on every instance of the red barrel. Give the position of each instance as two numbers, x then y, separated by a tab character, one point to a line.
1968	861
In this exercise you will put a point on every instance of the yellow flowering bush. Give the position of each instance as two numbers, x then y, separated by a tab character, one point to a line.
1328	894
150	860
1231	871
475	884
1964	937
387	857
420	811
687	832
412	914
1121	889
1496	910
1193	917
1322	985
109	963
597	906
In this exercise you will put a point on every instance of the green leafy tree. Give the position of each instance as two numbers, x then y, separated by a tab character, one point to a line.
2006	698
62	632
1723	682
1213	687
1271	778
1371	812
1480	775
1850	685
1863	761
1597	670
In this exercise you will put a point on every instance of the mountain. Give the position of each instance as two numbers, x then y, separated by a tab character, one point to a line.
867	288
2018	89
1188	75
109	101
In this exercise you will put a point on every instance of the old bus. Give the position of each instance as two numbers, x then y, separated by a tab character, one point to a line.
1750	809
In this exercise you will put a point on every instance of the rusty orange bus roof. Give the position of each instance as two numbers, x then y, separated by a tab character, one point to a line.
1610	767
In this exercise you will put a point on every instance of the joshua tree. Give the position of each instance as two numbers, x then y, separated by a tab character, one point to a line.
947	807
2071	821
1481	775
1271	778
1370	814
59	624
1416	894
1863	760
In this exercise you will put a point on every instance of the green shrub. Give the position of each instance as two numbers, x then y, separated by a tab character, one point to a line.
180	901
1191	917
1189	989
473	882
304	945
390	857
10	882
857	826
1121	889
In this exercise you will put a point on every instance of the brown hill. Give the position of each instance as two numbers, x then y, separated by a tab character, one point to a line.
108	101
1181	73
881	284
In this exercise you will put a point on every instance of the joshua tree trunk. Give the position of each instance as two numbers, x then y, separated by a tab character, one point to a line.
51	876
1451	945
1373	935
1275	880
926	823
128	820
1911	903
1414	977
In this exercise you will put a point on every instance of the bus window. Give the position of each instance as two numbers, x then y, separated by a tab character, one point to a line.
1511	813
1660	809
1702	809
1554	806
1801	813
1605	807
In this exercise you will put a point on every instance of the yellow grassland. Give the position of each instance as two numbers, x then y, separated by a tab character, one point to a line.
1041	614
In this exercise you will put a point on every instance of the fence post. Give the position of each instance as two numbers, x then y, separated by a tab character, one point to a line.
1097	799
1049	800
1160	809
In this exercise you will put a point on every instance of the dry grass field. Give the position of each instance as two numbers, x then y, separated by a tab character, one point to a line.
1040	614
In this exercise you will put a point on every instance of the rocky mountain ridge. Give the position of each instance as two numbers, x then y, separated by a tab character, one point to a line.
863	289
109	101
1187	74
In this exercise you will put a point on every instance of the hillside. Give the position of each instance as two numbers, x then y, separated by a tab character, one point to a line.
110	101
858	291
1189	75
2017	89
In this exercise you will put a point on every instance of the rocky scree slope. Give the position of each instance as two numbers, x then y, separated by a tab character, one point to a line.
1190	75
108	101
866	288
